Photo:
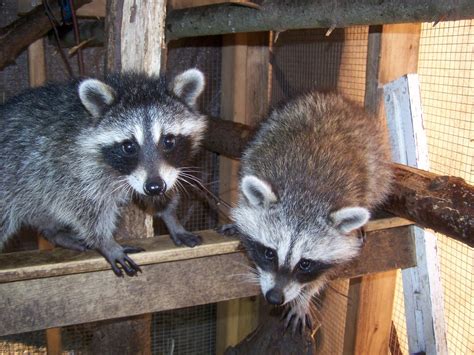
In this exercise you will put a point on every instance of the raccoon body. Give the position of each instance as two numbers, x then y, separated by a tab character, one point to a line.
309	179
74	154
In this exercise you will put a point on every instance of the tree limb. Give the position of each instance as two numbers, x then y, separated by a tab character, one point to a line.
18	35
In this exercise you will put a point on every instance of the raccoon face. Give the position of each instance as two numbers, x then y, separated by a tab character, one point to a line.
291	251
147	146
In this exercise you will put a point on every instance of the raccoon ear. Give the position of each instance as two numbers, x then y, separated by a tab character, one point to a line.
189	85
257	192
349	219
96	96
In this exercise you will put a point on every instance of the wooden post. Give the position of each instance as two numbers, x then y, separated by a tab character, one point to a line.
244	99
423	293
135	41
369	316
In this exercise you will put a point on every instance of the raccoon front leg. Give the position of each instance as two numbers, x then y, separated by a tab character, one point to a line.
179	235
116	254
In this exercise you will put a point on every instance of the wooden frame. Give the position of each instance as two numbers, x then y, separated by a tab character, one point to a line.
44	289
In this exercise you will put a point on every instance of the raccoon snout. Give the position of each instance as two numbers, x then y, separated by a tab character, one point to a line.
154	188
275	297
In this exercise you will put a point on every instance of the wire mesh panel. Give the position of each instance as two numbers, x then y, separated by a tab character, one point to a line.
446	72
186	331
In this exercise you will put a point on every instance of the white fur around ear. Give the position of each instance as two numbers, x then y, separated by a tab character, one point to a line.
189	85
257	192
96	96
348	219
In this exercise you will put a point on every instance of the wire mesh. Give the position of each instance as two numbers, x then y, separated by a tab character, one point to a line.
446	73
186	331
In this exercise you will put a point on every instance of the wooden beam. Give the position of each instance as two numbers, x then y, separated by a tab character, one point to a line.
274	15
171	281
18	35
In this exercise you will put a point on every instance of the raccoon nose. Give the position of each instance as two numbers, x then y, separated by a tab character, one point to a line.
154	188
275	297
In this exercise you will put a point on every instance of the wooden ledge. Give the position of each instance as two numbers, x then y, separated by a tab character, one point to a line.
45	289
47	263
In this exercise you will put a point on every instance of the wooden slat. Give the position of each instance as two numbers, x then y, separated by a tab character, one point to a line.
47	263
82	298
40	264
32	304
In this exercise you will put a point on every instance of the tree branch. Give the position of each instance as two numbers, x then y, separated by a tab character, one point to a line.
286	15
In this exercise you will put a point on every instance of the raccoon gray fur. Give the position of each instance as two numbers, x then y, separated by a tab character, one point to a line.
309	179
73	154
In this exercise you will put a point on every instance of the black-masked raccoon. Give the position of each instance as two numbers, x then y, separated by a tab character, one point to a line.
309	179
74	154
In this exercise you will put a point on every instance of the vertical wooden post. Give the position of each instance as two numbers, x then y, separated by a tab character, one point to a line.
423	293
244	99
369	316
135	41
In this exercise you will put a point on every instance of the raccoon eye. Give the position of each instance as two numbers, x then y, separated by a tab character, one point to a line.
269	254
129	147
305	264
169	142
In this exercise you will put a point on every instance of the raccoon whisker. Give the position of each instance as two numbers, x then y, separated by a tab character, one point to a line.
181	188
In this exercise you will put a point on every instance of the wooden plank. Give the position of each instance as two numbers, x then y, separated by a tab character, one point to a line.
48	263
57	262
32	304
424	303
81	298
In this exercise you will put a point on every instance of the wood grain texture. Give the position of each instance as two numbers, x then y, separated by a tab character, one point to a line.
57	262
142	35
73	298
88	297
442	203
286	15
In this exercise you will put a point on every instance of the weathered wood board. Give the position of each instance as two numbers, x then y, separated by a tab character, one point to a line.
172	278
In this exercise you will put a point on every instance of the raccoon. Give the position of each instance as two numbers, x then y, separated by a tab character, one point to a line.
315	169
74	154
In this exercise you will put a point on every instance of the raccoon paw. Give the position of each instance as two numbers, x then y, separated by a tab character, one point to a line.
228	230
187	238
118	256
297	318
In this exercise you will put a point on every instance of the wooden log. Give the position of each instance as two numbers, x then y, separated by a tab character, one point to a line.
74	296
442	203
274	15
18	35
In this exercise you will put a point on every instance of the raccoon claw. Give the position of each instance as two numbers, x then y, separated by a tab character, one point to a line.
186	238
296	320
228	230
118	257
